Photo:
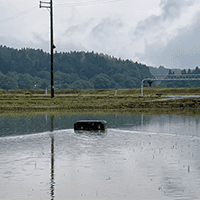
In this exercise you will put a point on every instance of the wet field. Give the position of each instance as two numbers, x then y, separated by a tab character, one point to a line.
139	157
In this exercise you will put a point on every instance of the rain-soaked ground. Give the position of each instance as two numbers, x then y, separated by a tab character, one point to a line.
139	157
181	96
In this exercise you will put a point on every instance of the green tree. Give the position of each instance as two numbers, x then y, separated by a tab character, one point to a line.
25	81
81	84
183	71
103	81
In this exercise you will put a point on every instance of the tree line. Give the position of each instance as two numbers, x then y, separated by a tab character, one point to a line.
182	83
30	69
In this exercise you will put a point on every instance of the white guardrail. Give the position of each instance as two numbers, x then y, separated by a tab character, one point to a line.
170	77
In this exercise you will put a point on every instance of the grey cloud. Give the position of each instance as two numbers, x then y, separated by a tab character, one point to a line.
73	37
171	9
40	43
168	43
181	52
11	42
106	27
109	36
77	29
100	36
77	33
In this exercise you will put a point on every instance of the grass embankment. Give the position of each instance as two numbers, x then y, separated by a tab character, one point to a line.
99	101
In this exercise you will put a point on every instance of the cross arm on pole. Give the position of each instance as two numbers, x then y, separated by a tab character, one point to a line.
42	2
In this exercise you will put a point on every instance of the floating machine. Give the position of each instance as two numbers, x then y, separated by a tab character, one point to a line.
90	125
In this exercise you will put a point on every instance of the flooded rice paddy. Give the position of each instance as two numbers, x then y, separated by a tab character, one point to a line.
139	157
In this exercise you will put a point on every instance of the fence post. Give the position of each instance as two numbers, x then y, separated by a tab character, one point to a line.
142	88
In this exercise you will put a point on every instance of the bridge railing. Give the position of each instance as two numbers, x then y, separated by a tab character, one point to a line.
170	77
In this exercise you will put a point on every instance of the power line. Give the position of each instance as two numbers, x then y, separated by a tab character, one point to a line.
18	15
87	3
69	4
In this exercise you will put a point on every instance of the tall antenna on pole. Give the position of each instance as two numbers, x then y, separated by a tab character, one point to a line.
50	5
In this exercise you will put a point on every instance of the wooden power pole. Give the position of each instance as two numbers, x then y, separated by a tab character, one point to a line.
50	6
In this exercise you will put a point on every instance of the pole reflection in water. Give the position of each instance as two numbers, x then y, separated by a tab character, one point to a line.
52	183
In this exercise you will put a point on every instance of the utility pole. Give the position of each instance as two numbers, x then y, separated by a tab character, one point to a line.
50	5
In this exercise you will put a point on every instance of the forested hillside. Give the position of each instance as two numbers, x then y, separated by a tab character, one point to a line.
30	69
162	70
182	83
174	72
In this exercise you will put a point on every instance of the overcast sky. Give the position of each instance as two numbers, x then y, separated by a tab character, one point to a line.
153	32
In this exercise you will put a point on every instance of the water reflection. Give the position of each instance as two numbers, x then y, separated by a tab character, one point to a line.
11	126
52	160
141	156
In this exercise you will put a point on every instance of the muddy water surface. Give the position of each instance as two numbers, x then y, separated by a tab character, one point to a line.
140	157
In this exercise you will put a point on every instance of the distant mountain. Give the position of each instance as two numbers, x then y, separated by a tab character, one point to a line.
30	69
174	83
162	70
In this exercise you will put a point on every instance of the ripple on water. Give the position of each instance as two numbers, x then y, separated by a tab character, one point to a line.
143	161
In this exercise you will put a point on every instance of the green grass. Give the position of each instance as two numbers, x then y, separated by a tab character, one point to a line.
99	101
